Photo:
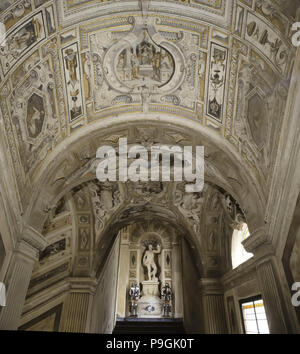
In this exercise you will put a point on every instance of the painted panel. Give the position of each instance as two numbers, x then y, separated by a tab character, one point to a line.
73	81
21	40
217	82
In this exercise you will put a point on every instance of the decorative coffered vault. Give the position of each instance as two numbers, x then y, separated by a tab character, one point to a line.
149	61
79	74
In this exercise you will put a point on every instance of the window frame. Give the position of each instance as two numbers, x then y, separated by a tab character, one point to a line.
251	299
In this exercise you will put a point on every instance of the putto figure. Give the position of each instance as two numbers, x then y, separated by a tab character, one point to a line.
149	263
134	293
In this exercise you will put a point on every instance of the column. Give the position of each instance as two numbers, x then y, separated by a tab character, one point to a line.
123	275
18	277
213	306
177	279
271	296
77	307
269	281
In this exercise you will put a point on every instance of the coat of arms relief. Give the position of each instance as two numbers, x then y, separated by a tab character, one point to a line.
143	65
145	61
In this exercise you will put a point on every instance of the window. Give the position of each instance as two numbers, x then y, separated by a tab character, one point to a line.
254	316
238	253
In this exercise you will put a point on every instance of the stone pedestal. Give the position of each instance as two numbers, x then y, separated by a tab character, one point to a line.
150	305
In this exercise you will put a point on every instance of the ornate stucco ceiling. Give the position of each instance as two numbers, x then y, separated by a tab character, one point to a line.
77	74
67	65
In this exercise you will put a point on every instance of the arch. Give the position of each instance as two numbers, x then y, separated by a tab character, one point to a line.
245	187
112	228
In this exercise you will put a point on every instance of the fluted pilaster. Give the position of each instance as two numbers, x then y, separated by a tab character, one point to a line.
271	296
78	304
18	277
213	306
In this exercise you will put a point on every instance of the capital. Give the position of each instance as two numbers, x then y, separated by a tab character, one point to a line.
259	242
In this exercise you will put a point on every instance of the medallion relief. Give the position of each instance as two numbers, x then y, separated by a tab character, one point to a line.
144	60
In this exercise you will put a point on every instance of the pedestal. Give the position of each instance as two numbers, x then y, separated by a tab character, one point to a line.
150	305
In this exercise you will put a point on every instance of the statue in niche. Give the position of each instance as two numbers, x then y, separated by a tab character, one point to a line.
149	263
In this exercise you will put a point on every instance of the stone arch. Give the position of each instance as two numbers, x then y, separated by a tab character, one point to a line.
245	185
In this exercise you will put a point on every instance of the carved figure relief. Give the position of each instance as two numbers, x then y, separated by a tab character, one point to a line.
190	204
105	198
145	61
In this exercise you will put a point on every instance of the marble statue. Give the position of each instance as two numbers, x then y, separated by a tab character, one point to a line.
149	263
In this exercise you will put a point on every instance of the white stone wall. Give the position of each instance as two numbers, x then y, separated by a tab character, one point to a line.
104	303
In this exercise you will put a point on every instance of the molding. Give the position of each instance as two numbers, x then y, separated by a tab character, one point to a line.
210	286
83	285
240	275
222	17
258	241
43	300
34	238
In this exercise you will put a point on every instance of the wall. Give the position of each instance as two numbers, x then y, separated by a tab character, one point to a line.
193	314
104	303
232	297
134	241
291	255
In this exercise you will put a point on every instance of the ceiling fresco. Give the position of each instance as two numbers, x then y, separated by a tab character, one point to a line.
225	77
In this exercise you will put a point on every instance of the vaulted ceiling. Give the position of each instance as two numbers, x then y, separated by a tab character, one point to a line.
77	74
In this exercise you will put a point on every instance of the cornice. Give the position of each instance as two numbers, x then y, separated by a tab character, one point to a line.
34	238
257	240
220	17
83	285
210	286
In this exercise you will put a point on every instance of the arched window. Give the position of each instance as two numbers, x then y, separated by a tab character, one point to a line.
238	253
